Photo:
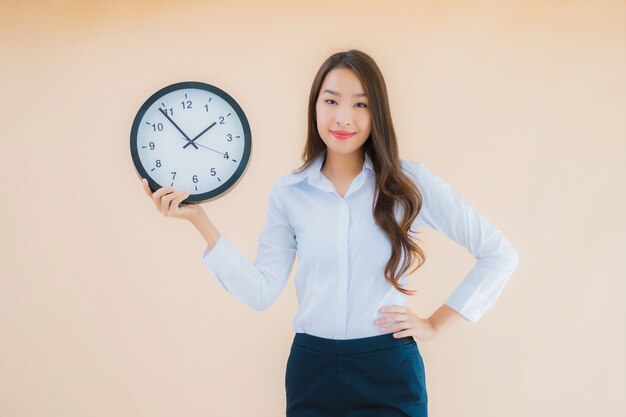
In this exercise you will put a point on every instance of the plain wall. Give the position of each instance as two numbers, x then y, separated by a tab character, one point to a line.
105	306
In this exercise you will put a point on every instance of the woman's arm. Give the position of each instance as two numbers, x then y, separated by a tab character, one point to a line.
257	283
446	211
206	228
443	318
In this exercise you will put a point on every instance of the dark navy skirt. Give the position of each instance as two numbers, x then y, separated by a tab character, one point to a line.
377	376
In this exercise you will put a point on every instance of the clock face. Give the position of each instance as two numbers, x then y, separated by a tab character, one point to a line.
192	136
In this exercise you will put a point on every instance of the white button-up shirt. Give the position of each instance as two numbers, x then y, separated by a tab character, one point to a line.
342	252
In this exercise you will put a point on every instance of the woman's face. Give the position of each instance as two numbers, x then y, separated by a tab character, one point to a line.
343	107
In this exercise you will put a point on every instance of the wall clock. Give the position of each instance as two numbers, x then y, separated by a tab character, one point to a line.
192	136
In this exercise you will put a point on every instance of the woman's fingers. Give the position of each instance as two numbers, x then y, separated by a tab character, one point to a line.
173	210
158	196
169	202
166	200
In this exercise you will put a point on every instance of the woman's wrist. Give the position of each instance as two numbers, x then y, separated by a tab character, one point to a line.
443	317
206	228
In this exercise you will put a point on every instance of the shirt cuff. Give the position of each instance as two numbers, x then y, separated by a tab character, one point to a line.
223	258
477	293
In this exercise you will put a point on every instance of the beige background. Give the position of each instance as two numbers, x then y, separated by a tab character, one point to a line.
105	306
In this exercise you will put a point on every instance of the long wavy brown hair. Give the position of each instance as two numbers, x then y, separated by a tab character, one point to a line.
394	189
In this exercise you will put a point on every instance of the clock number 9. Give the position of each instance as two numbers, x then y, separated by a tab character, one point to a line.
151	146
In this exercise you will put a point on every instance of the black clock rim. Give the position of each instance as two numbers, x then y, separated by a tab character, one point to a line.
245	159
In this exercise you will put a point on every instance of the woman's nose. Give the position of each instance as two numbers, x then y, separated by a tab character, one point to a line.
343	116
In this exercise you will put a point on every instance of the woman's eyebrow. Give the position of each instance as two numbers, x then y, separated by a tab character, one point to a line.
337	94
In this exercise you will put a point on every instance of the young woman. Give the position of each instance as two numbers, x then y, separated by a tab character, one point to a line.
351	213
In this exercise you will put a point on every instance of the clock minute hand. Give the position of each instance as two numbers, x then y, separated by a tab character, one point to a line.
179	129
192	142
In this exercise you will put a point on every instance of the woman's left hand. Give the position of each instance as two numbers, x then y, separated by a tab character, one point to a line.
407	322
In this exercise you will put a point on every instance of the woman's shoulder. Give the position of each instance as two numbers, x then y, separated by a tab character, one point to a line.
281	183
414	168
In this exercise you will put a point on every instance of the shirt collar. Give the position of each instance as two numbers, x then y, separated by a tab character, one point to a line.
314	172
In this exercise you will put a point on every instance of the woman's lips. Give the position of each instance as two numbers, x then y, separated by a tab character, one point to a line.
342	136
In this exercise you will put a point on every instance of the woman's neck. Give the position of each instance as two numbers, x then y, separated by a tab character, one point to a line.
339	167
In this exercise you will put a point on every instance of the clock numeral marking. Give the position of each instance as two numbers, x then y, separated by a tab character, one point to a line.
186	104
158	126
221	120
158	163
206	106
195	179
152	146
230	137
166	109
213	173
225	155
174	177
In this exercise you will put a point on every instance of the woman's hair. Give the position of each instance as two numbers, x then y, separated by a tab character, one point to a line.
393	188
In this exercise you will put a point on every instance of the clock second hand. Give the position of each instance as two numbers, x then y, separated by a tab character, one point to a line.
192	142
211	149
176	126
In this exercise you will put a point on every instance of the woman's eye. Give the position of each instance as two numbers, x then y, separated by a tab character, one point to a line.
330	99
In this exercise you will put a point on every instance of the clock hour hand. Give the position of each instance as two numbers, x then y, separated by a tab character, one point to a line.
179	129
191	142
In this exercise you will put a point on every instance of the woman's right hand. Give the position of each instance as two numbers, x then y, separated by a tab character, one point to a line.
167	200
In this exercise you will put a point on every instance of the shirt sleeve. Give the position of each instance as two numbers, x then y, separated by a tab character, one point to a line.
446	211
258	283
